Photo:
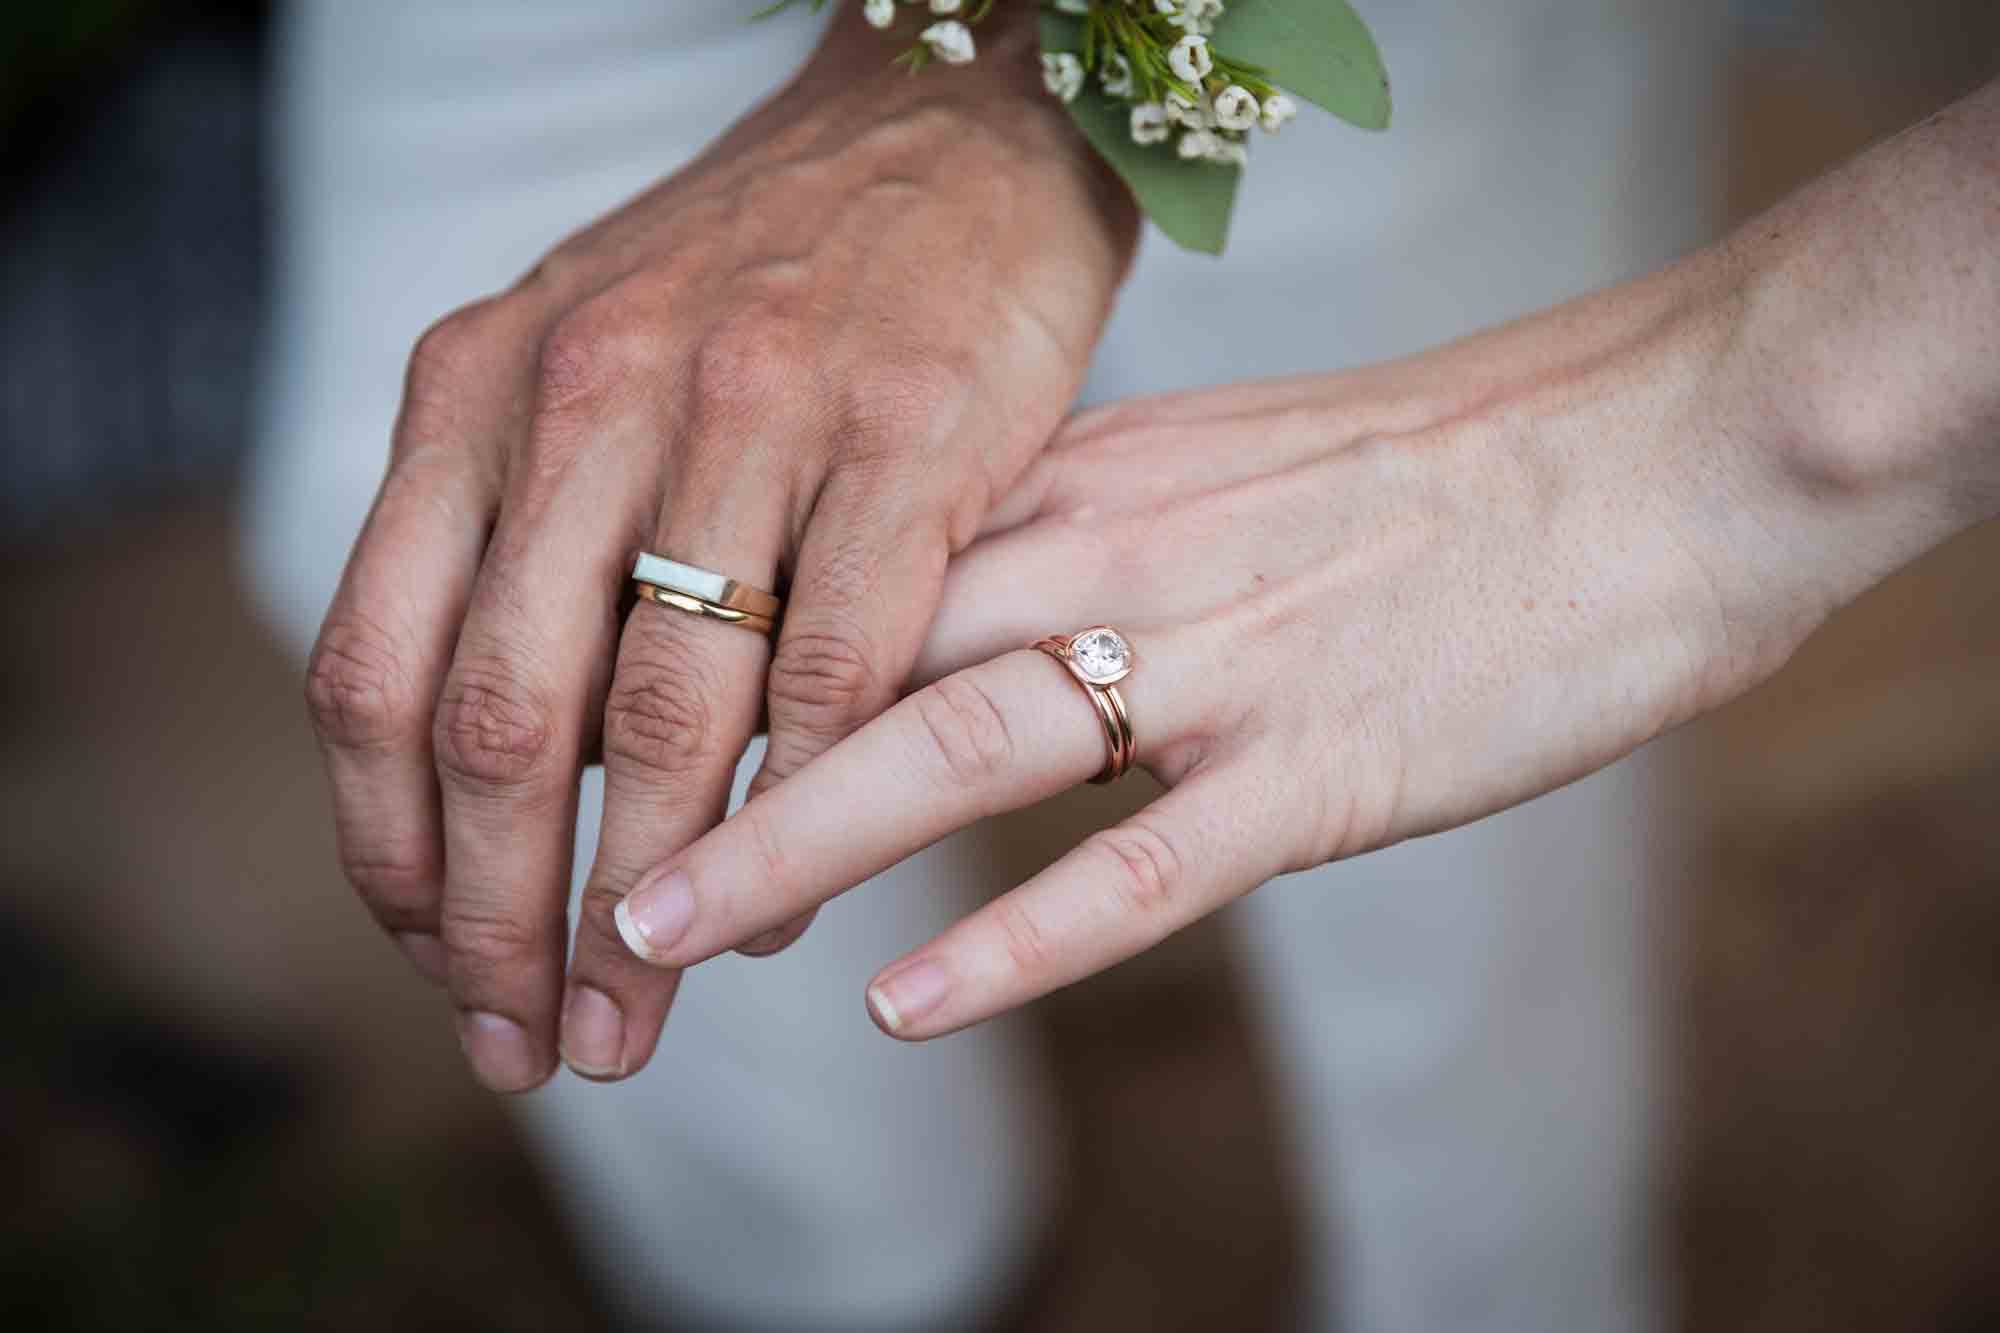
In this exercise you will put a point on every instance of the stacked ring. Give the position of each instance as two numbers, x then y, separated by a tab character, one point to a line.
1098	658
705	593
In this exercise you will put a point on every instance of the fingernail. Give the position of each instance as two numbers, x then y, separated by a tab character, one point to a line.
904	996
593	1033
502	1056
654	916
425	952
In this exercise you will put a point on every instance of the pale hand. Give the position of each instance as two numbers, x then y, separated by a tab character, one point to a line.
1373	605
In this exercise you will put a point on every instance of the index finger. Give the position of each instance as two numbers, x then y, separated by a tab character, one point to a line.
996	737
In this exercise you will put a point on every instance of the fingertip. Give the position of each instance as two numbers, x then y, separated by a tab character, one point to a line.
654	917
883	1010
425	952
504	1058
592	1043
903	998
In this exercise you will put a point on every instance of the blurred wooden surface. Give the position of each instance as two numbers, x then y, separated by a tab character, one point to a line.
1837	1166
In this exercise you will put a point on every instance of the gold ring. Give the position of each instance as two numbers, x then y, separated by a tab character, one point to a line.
696	606
1098	658
704	585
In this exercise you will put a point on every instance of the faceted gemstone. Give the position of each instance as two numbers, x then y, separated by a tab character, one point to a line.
1101	654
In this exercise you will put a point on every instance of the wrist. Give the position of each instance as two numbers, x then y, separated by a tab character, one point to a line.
1871	312
992	115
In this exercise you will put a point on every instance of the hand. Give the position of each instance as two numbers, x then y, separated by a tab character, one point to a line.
1364	607
815	353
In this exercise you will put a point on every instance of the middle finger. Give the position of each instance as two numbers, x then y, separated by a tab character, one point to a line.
511	725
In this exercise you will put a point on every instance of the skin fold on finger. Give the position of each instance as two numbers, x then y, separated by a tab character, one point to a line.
996	737
1207	842
683	703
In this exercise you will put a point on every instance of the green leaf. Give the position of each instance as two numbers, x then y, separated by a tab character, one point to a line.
1317	49
1189	201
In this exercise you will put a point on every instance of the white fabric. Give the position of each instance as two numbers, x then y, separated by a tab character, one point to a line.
1461	1024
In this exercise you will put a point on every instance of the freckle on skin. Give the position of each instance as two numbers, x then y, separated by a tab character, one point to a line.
1527	603
1572	603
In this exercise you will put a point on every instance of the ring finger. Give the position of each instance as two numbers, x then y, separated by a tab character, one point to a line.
683	704
996	737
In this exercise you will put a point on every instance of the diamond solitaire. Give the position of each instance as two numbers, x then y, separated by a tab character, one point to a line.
1101	655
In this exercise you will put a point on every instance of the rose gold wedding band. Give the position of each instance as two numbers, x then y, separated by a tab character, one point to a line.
704	585
1098	658
696	606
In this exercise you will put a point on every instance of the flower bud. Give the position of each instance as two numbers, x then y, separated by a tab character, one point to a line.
1197	144
1149	123
1278	109
1235	108
1190	59
1116	72
1062	74
950	41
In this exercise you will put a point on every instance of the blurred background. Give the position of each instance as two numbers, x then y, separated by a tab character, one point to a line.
224	1103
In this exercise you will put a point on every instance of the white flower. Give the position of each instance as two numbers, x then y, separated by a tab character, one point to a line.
879	13
1229	154
1072	6
1116	71
1198	16
950	41
1235	108
945	6
1149	123
1278	109
1189	59
1198	144
1167	6
1195	116
1062	74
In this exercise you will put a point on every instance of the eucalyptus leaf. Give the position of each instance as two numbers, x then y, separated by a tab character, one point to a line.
1189	201
1316	49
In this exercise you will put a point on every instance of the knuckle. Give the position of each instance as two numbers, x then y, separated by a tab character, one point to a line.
740	366
400	892
1145	868
491	731
1027	945
593	354
358	692
821	677
456	348
767	846
968	733
487	941
657	720
597	908
900	404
